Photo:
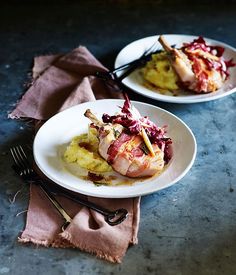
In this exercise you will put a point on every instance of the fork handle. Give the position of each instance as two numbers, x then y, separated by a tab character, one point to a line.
111	217
125	66
57	205
141	60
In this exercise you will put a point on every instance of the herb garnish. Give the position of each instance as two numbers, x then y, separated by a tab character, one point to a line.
116	133
144	148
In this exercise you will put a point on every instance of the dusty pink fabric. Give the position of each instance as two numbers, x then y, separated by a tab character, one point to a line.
62	81
88	229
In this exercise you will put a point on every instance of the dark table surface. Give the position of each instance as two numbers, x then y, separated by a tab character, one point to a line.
189	228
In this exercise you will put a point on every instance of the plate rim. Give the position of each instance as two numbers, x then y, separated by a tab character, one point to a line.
172	99
127	195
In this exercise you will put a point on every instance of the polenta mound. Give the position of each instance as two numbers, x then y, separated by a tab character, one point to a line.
159	72
83	150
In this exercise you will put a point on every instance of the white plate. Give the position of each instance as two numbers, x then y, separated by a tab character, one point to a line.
135	81
60	129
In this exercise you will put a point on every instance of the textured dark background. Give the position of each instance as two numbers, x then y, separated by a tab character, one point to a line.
186	229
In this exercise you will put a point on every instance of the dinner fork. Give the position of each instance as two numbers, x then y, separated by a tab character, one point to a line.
131	66
23	168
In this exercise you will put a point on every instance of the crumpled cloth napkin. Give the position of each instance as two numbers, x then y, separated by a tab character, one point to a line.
59	82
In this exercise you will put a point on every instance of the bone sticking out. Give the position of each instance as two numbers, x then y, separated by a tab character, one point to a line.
180	62
93	118
164	44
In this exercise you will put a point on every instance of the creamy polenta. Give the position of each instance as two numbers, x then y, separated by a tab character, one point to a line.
83	150
159	72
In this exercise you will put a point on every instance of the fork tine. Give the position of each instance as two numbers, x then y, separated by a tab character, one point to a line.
20	159
12	150
17	164
152	48
16	156
131	66
24	159
23	155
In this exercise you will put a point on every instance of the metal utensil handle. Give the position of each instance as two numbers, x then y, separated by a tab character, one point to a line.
111	217
57	205
139	63
116	217
131	68
125	66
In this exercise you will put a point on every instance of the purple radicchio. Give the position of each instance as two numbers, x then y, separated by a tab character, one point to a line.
133	122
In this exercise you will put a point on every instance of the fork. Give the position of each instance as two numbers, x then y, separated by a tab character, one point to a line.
23	168
131	66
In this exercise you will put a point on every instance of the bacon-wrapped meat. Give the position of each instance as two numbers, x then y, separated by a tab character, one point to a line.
125	149
200	67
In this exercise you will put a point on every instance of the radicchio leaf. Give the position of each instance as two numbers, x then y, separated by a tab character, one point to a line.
220	65
130	118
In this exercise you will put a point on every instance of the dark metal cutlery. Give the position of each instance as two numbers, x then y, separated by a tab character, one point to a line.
23	168
131	66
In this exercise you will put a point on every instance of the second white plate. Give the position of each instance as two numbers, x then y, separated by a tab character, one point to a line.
135	81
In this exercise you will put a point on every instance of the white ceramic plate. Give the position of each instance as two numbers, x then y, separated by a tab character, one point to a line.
60	129
135	81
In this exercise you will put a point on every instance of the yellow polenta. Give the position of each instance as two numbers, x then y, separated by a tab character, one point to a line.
159	72
83	150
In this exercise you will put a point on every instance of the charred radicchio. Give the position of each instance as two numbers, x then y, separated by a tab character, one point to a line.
220	64
133	122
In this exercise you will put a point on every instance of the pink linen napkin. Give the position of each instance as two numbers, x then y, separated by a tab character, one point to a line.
59	82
